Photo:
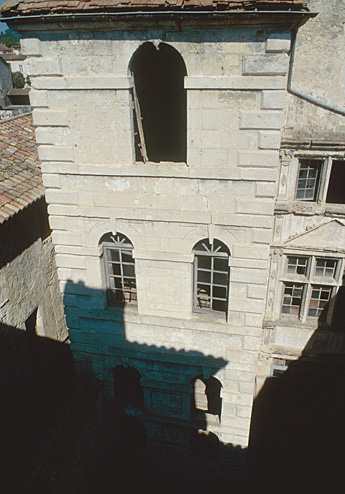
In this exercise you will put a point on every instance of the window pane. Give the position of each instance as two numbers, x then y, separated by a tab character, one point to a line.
325	267
319	301
112	255
220	279
292	298
297	265
308	179
127	256
219	292
204	262
128	270
219	305
114	268
204	276
221	264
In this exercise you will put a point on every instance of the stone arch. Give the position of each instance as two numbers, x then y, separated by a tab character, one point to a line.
159	103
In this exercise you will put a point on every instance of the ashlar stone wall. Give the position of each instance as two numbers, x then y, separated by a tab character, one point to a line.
81	91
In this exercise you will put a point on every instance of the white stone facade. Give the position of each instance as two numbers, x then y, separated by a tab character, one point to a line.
81	91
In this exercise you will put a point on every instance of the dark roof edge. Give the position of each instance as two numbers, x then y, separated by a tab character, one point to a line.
24	22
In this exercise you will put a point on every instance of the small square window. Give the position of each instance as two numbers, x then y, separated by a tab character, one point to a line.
319	300
325	267
292	299
297	265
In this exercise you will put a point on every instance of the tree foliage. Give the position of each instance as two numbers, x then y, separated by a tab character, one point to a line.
18	80
10	38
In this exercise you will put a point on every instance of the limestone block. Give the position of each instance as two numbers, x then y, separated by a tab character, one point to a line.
255	320
51	181
62	168
278	44
262	236
265	189
269	64
50	117
241	399
59	136
272	100
256	291
269	139
258	174
56	153
65	261
249	276
61	197
31	46
215	157
258	158
250	251
247	206
243	411
67	238
251	343
72	275
38	98
240	375
260	120
39	66
262	82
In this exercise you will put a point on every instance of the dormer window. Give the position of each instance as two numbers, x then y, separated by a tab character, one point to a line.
159	104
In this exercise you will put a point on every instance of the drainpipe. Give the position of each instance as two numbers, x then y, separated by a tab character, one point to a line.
305	97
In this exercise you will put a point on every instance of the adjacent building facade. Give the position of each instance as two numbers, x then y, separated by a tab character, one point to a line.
194	200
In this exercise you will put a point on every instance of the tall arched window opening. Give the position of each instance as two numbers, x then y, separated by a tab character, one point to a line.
159	104
211	276
127	387
119	267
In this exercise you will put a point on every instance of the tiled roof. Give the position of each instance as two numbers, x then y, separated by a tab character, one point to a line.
27	7
10	57
20	174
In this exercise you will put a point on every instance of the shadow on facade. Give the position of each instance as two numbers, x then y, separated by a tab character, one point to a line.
297	431
153	443
35	381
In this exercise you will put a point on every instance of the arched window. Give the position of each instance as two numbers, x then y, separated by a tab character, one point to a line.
119	269
159	103
207	396
211	276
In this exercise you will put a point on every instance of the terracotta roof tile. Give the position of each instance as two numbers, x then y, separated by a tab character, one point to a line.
20	173
27	7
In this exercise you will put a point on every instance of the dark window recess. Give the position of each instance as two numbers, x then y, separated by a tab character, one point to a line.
336	189
127	387
30	323
339	309
159	104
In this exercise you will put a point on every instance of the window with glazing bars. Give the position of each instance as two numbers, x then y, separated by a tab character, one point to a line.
308	179
119	269
211	276
310	286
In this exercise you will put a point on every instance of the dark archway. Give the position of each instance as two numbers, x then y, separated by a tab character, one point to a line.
127	387
160	104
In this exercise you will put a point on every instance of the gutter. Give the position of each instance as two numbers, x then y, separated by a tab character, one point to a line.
156	13
306	97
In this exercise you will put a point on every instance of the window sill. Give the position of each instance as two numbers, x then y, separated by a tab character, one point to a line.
218	317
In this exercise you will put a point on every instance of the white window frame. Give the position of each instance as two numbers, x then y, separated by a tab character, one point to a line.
121	282
320	194
308	280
